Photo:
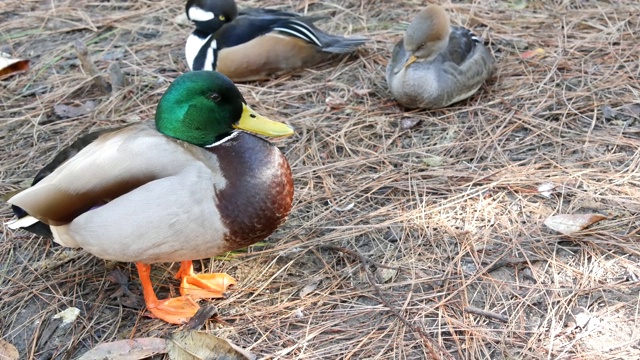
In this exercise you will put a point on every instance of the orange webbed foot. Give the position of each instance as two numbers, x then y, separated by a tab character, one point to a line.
202	286
172	310
177	310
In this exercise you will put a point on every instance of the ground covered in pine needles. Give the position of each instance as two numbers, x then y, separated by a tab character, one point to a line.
414	234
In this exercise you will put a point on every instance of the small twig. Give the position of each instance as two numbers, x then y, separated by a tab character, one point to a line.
489	314
202	315
90	67
383	299
48	331
509	261
124	294
634	232
116	77
357	255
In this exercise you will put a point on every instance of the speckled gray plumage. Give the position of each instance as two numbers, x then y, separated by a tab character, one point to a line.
452	75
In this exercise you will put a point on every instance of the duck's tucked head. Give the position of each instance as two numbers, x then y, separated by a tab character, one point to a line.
428	33
204	107
210	15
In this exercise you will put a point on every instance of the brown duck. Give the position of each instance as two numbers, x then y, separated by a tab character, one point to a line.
436	65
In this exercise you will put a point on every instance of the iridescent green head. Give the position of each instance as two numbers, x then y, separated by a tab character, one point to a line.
203	107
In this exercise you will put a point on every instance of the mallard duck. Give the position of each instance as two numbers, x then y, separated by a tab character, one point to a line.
436	65
256	44
190	187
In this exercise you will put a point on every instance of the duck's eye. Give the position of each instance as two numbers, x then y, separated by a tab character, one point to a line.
215	97
221	17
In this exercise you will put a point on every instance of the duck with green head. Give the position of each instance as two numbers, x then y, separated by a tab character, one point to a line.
191	187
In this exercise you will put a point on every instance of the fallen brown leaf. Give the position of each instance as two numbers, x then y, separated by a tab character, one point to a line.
8	351
532	53
127	349
10	66
309	288
67	111
194	345
567	224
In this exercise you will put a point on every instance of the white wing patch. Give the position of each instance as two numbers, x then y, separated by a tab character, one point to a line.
22	222
300	30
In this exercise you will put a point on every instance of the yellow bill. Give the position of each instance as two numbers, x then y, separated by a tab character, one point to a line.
253	122
400	65
411	60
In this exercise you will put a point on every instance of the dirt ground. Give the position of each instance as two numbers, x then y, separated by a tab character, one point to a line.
411	230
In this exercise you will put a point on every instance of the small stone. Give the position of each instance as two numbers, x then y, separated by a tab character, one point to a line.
432	161
609	112
406	124
394	234
384	275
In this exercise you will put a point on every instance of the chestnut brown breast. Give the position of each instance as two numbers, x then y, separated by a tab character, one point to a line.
259	192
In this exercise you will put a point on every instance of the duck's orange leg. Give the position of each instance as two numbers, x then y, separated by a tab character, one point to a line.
172	310
202	286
